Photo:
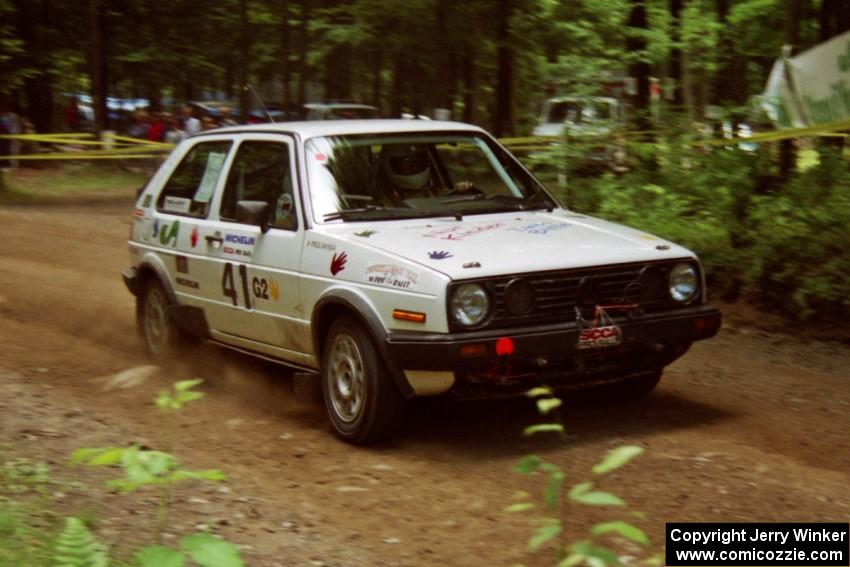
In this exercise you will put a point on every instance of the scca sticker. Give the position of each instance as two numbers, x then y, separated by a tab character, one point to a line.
389	275
595	337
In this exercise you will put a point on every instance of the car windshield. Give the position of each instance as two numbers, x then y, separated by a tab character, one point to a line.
375	177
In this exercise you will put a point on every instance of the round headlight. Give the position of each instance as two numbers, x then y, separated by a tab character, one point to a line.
683	282
469	304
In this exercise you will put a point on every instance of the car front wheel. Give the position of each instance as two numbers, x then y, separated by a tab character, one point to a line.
361	398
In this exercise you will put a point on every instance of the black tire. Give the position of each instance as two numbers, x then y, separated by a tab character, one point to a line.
161	336
362	400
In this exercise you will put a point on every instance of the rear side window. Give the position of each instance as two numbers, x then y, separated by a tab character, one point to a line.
190	188
261	172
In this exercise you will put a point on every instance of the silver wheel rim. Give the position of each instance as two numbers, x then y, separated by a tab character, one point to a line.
346	377
156	321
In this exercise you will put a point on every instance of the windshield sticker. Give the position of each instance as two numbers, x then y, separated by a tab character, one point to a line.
338	263
365	233
321	245
177	205
389	275
540	227
205	190
439	254
461	232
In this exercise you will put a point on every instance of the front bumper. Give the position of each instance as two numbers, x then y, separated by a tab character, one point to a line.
550	353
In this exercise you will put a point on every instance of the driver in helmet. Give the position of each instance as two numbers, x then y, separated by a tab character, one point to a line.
405	171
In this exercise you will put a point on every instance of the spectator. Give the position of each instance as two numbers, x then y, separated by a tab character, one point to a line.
139	129
73	116
175	134
191	125
225	119
156	131
207	123
10	123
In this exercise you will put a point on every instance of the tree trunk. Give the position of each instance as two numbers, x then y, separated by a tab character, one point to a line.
640	70
98	65
504	119
284	54
244	60
377	69
676	53
469	85
302	54
787	152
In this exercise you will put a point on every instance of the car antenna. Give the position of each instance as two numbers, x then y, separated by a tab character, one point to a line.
266	110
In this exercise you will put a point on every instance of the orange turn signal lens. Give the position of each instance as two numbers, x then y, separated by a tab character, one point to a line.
411	316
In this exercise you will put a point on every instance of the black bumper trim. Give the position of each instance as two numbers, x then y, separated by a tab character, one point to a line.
440	351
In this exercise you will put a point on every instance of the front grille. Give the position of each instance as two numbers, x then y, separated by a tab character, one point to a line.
557	293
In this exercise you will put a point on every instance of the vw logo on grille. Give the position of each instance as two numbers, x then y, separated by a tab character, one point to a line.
519	297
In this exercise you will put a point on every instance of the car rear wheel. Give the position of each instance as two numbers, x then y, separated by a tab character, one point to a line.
162	337
361	398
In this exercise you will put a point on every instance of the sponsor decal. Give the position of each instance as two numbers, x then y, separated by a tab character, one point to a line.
240	239
146	202
391	276
185	282
182	264
540	227
644	236
177	205
321	245
472	265
461	232
193	237
167	233
439	254
320	157
338	263
155	227
365	233
603	332
227	249
264	288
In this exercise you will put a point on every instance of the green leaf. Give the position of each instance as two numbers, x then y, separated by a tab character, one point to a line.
528	464
543	428
579	489
596	556
617	458
553	489
545	405
183	385
97	456
539	391
209	551
597	499
624	529
519	507
211	474
159	556
571	560
543	534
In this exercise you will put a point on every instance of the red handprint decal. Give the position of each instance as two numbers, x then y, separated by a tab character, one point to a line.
338	263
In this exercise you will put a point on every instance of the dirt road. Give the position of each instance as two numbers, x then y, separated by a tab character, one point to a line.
750	426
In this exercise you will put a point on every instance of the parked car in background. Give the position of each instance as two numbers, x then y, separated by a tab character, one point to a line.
580	115
339	111
392	259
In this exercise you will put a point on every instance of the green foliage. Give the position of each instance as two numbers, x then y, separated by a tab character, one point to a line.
551	529
77	547
181	395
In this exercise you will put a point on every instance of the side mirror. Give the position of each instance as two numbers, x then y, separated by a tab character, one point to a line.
253	212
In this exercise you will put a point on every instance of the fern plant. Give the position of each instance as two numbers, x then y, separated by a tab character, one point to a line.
77	547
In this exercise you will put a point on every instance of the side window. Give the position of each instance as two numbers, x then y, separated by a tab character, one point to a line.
190	188
261	172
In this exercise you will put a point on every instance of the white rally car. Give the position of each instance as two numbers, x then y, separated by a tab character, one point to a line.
398	258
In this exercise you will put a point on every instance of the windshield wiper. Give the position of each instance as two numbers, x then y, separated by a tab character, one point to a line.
508	199
399	212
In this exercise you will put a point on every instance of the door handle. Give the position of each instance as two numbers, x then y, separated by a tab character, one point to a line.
213	238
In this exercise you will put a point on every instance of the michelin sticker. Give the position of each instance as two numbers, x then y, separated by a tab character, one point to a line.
388	275
177	205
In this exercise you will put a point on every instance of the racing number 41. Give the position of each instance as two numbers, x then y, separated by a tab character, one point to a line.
228	288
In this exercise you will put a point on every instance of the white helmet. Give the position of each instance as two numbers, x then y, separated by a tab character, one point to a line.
405	165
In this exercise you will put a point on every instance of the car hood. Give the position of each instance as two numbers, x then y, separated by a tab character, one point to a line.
508	243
